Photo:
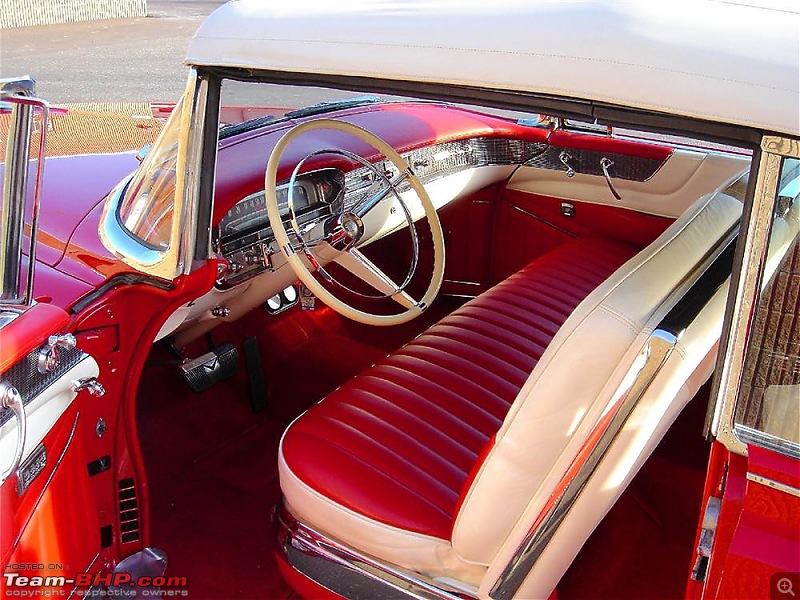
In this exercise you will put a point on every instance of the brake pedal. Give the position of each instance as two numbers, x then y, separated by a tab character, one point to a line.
210	368
308	301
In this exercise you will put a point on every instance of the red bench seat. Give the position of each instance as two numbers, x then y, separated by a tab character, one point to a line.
397	444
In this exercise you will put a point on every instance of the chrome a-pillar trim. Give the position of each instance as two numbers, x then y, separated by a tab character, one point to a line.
349	573
176	258
654	354
746	288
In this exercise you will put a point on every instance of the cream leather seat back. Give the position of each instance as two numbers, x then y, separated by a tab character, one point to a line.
580	373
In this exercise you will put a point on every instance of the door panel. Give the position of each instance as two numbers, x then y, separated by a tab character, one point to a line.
683	178
49	523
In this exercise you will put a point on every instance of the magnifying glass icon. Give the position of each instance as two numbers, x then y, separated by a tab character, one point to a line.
785	586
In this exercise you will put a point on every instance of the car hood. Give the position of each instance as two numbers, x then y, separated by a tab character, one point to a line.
90	148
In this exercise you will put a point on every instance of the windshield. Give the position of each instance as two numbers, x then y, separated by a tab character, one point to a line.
146	208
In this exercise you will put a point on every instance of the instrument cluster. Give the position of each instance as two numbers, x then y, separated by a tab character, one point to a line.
244	235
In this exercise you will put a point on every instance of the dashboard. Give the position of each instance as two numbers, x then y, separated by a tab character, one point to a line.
244	234
245	238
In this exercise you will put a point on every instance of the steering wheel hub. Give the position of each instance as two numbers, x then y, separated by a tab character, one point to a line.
353	227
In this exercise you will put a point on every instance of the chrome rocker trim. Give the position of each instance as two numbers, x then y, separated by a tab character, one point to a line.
347	572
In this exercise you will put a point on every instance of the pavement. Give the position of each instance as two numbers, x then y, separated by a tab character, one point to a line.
120	60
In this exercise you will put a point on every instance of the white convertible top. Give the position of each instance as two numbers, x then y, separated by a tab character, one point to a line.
721	60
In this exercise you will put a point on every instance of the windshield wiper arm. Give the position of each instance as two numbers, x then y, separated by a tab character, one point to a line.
331	105
309	111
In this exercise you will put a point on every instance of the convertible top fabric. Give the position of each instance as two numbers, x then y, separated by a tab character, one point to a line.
730	62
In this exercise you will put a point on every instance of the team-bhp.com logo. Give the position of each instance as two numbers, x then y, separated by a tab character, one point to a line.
18	585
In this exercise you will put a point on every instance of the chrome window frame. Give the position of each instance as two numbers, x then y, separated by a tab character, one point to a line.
744	296
178	257
20	93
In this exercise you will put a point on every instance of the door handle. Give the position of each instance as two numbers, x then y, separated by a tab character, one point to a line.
605	164
10	398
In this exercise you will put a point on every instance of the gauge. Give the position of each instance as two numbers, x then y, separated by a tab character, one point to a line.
250	213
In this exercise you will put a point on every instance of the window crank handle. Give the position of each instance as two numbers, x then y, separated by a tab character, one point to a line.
565	158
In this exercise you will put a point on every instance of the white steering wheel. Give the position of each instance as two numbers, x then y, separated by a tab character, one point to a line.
342	233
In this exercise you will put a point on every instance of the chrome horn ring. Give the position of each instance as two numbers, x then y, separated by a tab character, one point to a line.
346	226
353	260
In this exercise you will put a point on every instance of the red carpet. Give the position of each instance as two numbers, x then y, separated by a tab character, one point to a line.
212	463
213	475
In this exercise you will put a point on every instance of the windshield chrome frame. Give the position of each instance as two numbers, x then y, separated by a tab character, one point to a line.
177	258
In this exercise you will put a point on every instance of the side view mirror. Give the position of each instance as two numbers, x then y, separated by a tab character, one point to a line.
16	283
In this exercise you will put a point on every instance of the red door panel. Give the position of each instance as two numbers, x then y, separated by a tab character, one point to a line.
48	521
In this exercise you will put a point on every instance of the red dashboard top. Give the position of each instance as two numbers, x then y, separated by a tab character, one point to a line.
75	186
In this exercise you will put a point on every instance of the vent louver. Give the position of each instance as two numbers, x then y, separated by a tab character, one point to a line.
128	511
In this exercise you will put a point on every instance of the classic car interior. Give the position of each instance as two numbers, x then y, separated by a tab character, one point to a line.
433	429
380	346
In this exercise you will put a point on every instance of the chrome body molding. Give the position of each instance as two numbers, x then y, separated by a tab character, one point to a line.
748	435
7	315
349	573
654	354
118	240
775	485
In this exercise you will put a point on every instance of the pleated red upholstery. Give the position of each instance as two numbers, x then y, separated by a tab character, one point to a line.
398	442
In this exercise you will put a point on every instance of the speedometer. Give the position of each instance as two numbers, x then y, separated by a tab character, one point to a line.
321	190
250	213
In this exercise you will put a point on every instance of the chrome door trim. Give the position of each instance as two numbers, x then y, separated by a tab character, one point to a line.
686	301
775	485
646	367
13	211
